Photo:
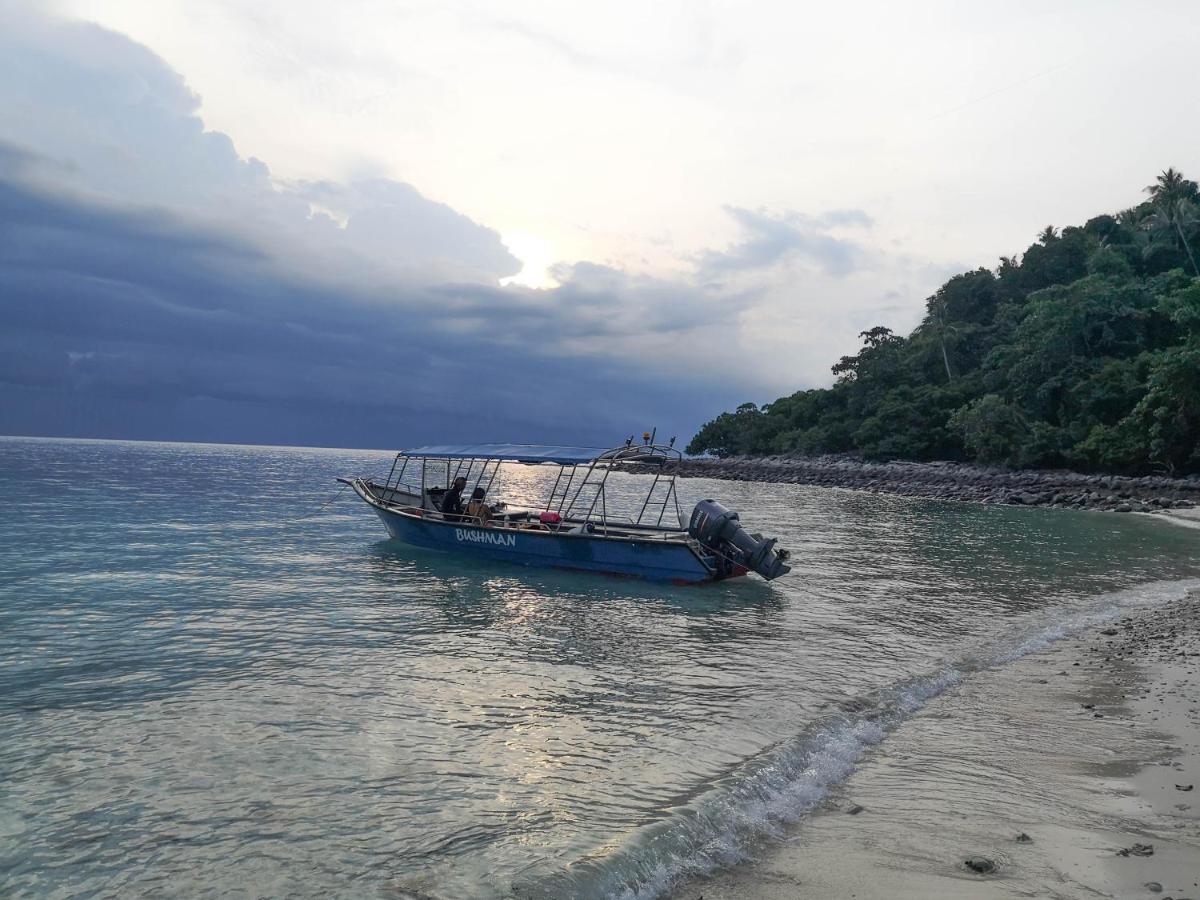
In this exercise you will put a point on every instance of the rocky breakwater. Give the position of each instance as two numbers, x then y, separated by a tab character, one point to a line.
957	481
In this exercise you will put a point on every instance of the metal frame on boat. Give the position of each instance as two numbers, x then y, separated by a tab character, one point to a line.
574	528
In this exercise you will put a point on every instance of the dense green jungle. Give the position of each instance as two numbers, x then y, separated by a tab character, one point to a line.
1084	353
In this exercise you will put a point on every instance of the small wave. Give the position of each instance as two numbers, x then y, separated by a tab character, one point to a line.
785	783
1188	518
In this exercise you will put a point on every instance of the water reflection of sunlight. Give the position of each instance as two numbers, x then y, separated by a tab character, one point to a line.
473	723
521	606
523	485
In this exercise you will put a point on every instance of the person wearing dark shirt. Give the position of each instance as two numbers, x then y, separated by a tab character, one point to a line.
452	502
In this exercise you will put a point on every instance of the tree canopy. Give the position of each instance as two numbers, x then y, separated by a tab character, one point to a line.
1084	352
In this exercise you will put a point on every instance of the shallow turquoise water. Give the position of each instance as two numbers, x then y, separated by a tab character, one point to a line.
209	685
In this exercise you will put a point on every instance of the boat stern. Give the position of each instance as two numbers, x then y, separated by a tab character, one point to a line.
720	531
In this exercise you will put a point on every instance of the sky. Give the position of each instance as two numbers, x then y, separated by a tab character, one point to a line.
384	223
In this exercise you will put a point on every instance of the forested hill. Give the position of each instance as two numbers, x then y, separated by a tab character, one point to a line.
1084	353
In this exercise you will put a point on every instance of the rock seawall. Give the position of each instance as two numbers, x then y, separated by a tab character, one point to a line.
957	481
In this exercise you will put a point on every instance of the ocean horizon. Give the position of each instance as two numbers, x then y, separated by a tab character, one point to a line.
105	440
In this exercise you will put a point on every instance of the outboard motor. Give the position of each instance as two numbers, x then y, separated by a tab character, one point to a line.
719	530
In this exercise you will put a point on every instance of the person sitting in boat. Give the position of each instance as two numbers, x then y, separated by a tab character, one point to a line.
452	505
477	510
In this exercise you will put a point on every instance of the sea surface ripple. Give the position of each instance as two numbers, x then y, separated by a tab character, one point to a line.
213	682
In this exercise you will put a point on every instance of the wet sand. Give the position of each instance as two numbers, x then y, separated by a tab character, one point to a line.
1075	772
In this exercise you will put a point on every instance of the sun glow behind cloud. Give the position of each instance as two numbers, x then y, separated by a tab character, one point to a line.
536	256
604	128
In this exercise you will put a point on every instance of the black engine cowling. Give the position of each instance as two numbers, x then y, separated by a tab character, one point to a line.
719	530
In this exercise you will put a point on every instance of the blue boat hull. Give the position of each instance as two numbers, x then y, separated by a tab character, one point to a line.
657	560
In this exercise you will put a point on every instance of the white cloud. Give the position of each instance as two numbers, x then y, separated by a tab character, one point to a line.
678	159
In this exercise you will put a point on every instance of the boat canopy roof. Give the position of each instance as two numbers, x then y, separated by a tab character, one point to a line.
523	453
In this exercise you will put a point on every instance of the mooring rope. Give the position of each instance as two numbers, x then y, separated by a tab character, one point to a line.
323	506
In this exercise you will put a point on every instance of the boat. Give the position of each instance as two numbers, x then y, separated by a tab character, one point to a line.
574	528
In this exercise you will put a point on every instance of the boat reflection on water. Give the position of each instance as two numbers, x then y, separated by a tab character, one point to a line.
471	595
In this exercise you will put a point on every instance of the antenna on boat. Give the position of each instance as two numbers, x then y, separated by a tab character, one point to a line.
672	442
629	440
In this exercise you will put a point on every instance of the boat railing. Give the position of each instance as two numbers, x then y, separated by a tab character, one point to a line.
385	491
399	477
579	489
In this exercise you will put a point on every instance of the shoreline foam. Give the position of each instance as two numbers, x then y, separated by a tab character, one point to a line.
1078	746
797	782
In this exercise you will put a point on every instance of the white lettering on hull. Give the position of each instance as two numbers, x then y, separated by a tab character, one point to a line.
485	537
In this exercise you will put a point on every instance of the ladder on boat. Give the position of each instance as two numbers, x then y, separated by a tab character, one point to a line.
576	496
658	499
588	493
561	492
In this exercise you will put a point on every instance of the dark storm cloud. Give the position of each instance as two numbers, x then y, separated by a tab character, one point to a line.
771	238
390	219
155	284
595	301
129	323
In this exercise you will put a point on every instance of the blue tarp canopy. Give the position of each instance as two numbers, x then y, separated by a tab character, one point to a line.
525	453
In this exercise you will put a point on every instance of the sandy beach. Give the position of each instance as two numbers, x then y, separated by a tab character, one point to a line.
1079	777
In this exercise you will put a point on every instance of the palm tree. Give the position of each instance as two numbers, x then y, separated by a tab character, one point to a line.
1171	186
1133	217
938	311
1174	198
